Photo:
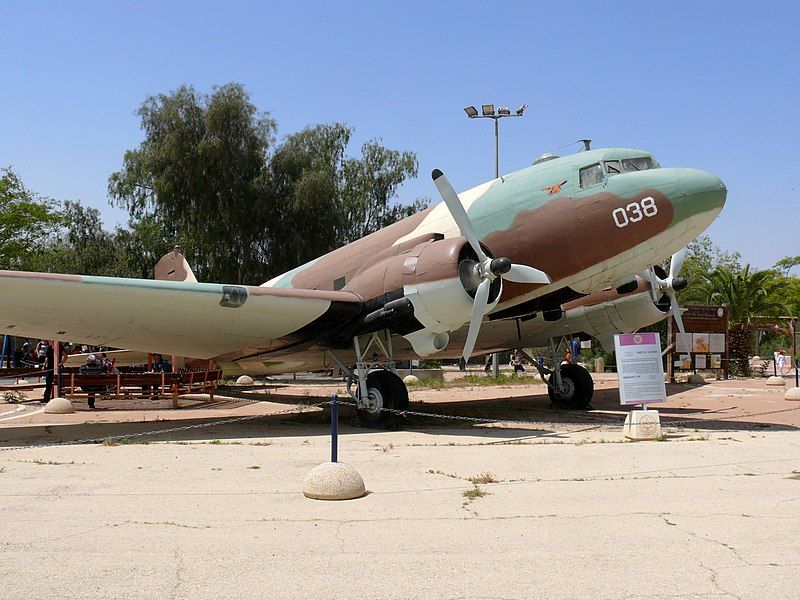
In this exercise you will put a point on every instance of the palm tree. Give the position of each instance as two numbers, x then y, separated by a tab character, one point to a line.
749	296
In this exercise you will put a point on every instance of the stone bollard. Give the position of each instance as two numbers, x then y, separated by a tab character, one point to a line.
410	379
59	406
775	380
696	378
792	394
244	380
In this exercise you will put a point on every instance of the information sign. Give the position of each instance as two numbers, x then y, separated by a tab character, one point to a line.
639	367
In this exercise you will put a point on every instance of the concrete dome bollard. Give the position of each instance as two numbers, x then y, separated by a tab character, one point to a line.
792	394
333	481
696	378
775	380
59	406
410	379
244	380
22	382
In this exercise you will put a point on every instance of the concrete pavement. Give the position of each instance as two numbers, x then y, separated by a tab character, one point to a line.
571	515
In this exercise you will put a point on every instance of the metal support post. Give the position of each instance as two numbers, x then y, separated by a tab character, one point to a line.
334	428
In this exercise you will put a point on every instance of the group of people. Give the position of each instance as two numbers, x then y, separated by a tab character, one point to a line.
100	364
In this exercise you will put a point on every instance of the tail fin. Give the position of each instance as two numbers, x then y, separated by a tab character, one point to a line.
173	267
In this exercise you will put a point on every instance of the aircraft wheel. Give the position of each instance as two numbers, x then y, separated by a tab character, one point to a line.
386	390
577	388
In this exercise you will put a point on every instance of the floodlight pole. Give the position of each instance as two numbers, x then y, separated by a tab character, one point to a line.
496	115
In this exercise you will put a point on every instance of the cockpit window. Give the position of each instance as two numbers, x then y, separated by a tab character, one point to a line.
641	163
613	167
591	175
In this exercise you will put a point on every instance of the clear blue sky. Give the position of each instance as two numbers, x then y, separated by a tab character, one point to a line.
712	85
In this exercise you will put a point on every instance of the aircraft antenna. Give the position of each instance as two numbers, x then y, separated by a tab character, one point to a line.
587	144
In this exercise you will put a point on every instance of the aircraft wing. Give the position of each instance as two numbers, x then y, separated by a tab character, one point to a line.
200	320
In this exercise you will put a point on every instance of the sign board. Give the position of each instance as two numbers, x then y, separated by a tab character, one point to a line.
639	367
705	343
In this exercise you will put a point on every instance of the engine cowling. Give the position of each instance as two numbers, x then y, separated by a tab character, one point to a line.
438	277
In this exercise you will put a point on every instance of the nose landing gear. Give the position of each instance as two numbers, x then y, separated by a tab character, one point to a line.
569	385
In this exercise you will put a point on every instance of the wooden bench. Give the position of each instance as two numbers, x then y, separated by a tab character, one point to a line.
123	384
21	373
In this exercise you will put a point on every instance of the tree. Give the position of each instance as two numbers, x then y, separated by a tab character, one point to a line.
324	198
199	171
702	257
26	220
209	174
749	296
785	265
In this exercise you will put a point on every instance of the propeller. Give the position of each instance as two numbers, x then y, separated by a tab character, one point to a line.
670	285
487	269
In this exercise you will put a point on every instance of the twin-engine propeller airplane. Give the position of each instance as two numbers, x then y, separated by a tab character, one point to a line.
564	247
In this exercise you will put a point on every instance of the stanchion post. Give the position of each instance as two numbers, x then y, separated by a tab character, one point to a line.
334	428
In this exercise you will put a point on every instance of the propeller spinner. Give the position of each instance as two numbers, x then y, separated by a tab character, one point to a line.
487	269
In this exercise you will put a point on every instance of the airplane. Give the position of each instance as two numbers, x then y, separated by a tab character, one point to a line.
566	246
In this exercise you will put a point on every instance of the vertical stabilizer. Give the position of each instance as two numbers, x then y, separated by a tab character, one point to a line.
173	267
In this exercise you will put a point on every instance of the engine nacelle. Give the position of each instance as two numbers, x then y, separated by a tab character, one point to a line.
438	277
624	314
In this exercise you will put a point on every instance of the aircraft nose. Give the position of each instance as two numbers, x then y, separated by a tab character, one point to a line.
701	191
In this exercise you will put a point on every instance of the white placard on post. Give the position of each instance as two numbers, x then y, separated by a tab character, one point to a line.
639	368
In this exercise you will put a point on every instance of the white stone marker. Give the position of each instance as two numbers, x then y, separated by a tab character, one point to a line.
642	425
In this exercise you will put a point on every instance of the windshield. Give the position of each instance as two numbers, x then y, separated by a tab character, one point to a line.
641	163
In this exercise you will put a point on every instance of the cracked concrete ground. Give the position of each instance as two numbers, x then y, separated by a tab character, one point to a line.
571	515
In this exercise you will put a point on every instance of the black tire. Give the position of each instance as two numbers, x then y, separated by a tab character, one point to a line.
392	394
578	389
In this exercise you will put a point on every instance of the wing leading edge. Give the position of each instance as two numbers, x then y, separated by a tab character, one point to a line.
200	320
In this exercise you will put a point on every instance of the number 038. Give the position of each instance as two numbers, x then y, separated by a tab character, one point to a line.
635	212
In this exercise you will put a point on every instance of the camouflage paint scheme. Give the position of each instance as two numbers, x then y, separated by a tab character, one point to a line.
588	240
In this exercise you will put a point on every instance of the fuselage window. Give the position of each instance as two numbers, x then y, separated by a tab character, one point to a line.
641	163
591	175
613	167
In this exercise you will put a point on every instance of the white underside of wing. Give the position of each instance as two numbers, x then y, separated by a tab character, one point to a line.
179	318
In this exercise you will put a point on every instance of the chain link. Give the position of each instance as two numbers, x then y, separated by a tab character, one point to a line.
299	408
672	421
296	409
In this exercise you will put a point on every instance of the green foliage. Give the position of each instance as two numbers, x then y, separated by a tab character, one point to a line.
210	176
785	265
25	220
702	257
751	296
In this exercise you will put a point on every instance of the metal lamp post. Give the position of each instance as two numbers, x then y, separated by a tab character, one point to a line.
488	112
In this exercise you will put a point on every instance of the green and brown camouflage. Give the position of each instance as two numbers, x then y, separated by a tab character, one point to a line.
590	221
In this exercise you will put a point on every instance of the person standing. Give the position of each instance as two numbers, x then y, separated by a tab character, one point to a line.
49	367
780	362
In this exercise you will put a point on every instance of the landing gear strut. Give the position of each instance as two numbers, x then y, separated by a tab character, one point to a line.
569	385
374	385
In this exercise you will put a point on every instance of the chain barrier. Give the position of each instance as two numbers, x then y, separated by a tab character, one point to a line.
296	409
672	421
299	408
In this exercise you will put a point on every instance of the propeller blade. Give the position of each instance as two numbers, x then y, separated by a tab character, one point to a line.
676	312
676	263
650	277
457	211
478	310
525	274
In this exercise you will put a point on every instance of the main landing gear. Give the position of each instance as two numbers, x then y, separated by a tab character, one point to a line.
568	385
374	385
